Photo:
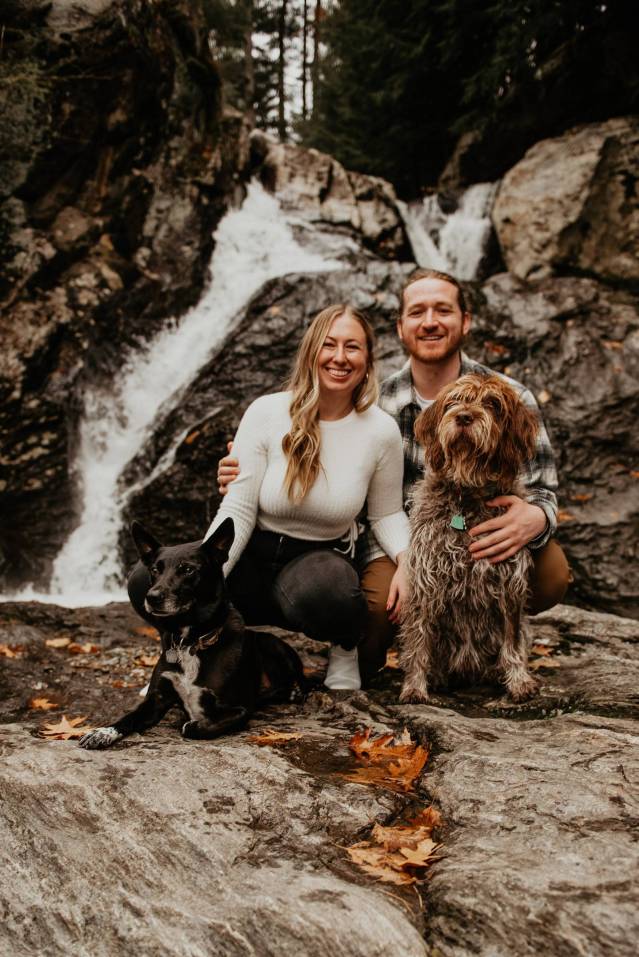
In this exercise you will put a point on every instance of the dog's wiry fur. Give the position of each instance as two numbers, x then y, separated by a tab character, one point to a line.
463	617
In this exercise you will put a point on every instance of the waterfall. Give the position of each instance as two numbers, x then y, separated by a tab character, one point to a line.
253	244
453	242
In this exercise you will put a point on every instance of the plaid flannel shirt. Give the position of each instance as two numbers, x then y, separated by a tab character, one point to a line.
397	397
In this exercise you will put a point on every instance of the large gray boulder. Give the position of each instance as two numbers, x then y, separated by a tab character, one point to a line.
318	188
571	204
164	846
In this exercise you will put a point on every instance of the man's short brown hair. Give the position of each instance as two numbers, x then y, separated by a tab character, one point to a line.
418	274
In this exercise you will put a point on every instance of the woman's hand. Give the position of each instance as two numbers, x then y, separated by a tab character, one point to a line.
398	592
228	470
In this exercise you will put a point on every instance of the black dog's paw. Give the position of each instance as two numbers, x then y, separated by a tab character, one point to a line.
298	695
100	738
190	729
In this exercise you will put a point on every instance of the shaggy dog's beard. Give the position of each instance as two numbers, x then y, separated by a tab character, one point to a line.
468	449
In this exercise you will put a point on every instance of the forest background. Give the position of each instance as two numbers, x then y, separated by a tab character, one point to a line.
388	87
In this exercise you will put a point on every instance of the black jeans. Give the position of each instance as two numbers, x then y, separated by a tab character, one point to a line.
287	582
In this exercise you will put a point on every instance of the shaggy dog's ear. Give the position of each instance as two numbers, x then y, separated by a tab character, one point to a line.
427	434
218	545
518	444
146	544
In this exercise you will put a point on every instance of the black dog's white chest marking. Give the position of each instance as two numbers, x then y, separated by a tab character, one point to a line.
184	682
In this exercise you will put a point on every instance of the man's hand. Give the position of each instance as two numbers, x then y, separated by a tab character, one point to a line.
228	470
506	534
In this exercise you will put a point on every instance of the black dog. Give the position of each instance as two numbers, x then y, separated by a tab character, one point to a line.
210	663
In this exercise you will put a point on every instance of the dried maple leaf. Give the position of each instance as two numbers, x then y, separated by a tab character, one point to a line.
86	649
147	661
147	632
399	854
392	660
581	497
541	650
57	642
41	704
391	763
11	651
564	516
272	737
543	663
65	728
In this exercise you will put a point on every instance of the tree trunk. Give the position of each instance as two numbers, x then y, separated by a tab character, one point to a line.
249	72
304	60
316	54
281	118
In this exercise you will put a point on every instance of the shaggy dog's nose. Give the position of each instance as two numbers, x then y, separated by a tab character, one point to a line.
464	418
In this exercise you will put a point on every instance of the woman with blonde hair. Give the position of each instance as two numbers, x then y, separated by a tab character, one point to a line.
312	457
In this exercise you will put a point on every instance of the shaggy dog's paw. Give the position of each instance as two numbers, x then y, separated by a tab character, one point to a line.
100	738
523	690
411	695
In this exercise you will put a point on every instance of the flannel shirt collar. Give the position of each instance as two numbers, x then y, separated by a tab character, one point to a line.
402	392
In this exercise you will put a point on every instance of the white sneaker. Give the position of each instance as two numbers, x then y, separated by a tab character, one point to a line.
343	670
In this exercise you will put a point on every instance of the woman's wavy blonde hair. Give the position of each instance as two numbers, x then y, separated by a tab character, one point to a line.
302	444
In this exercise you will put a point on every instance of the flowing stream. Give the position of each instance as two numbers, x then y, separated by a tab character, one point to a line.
455	242
253	244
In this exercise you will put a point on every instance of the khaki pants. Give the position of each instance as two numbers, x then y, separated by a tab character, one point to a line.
550	579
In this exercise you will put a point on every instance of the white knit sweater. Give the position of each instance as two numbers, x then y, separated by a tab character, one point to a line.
361	461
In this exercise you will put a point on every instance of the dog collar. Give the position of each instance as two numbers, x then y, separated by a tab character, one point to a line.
204	641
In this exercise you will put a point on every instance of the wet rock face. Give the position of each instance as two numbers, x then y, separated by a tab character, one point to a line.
318	188
115	164
572	204
575	343
177	847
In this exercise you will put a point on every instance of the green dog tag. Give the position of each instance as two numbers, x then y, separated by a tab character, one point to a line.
458	522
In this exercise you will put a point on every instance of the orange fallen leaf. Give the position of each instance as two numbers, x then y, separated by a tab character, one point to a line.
192	436
392	659
270	737
399	854
86	649
147	632
497	348
541	650
634	474
120	683
391	763
41	704
613	344
65	728
147	661
564	516
57	642
581	497
538	663
11	651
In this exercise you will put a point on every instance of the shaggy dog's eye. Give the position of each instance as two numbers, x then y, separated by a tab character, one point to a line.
493	404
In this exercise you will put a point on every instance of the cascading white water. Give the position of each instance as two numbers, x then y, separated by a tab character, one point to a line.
455	242
253	244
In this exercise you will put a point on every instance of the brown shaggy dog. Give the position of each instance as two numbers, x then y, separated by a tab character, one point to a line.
463	615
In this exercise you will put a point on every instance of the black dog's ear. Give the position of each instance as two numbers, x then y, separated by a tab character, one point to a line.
146	544
219	544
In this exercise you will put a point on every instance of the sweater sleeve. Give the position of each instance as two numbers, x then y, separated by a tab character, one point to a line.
241	501
386	515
